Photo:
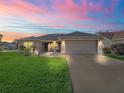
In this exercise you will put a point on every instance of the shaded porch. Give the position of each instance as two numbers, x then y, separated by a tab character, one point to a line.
51	46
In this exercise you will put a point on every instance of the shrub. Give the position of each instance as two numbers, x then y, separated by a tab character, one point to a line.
33	49
118	49
107	50
21	49
27	52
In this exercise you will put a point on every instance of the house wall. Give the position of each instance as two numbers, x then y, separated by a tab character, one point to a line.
38	45
100	47
80	47
63	47
119	41
20	43
1	47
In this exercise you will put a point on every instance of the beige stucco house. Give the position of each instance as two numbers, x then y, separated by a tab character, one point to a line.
71	43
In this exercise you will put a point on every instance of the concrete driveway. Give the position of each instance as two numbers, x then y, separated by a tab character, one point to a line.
96	74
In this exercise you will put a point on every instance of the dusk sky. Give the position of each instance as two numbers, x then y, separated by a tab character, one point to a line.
33	17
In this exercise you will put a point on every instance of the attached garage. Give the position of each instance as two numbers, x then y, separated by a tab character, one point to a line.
79	43
80	47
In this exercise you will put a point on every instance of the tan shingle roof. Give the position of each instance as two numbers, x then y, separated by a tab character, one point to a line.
75	35
32	38
118	35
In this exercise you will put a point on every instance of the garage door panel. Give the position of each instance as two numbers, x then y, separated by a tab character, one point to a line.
81	47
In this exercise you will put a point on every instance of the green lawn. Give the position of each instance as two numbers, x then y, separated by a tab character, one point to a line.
33	74
116	57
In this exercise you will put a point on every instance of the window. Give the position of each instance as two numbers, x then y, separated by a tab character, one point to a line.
28	44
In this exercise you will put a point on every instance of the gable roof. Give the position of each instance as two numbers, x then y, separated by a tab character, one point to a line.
77	33
79	36
28	39
50	37
57	36
118	35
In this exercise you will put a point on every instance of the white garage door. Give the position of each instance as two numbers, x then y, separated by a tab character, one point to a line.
81	47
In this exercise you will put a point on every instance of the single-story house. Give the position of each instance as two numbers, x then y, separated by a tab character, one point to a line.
71	43
1	46
9	46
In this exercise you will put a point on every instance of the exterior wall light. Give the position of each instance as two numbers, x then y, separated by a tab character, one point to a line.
100	43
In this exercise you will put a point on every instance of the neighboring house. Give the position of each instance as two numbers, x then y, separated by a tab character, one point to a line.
118	43
1	46
118	38
6	45
72	43
9	46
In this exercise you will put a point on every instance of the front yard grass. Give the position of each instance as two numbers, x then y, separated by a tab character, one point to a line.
33	74
115	57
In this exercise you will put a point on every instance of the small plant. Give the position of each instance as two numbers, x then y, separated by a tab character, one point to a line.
27	52
34	48
107	50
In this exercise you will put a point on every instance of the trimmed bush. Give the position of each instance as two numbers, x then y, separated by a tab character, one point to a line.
24	50
27	52
107	50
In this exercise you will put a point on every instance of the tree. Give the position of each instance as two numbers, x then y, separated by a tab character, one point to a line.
1	36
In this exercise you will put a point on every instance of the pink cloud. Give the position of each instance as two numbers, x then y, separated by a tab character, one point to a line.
112	6
95	7
69	10
65	11
28	7
84	7
21	8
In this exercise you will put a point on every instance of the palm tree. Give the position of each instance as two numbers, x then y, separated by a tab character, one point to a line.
1	36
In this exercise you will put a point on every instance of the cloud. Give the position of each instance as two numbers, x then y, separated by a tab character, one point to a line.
10	36
95	7
60	13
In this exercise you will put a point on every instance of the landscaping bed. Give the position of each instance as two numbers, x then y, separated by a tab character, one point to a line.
115	56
